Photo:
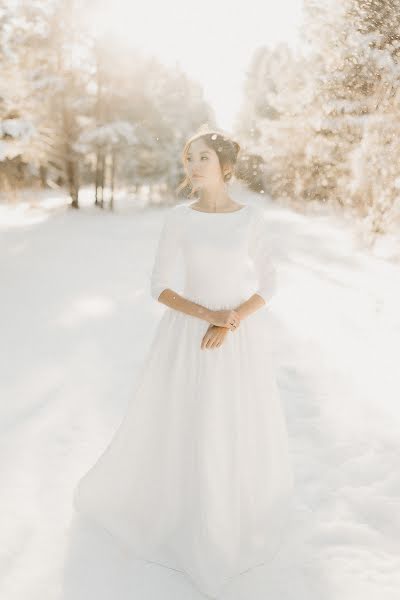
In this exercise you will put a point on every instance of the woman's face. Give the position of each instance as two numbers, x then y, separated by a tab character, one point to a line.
202	165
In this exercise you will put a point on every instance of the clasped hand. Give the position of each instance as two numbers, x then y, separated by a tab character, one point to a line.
221	322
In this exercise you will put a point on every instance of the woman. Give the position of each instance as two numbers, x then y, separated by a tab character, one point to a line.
198	476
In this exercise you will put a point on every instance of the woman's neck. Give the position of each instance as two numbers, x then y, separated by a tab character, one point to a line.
214	201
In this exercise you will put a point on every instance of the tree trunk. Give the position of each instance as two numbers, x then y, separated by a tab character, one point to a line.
102	179
112	178
73	184
97	177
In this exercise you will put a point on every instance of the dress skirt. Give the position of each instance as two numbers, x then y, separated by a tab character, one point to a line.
198	475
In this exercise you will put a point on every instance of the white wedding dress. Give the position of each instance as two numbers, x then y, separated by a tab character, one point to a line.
198	475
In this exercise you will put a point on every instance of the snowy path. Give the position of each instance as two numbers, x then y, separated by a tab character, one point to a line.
76	320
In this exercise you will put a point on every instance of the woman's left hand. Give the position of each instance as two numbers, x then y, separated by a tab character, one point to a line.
214	337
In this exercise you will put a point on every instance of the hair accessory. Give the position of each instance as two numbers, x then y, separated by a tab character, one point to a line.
205	129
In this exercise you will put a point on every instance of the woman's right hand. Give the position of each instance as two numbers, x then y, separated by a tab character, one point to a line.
225	318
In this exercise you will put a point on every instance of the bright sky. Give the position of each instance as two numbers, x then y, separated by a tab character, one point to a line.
212	40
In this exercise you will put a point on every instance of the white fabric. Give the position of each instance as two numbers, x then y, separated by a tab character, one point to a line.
198	476
218	260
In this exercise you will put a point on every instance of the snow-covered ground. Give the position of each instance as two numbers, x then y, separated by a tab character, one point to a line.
76	321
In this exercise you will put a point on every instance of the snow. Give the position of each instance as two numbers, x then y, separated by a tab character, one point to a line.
77	320
109	134
16	128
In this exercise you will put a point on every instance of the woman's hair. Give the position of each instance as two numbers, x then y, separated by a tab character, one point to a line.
225	147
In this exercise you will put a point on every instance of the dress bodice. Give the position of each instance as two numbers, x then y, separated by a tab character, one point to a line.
225	255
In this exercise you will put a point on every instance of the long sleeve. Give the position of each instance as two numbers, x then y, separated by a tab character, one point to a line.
259	252
166	255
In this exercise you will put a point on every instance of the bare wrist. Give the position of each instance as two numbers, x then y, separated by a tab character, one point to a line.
209	315
240	312
204	313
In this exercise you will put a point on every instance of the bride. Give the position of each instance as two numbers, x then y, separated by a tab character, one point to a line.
198	475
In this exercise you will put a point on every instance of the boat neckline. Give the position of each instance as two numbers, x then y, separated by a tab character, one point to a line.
226	212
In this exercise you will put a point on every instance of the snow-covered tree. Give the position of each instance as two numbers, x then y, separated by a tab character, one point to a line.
90	121
325	121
